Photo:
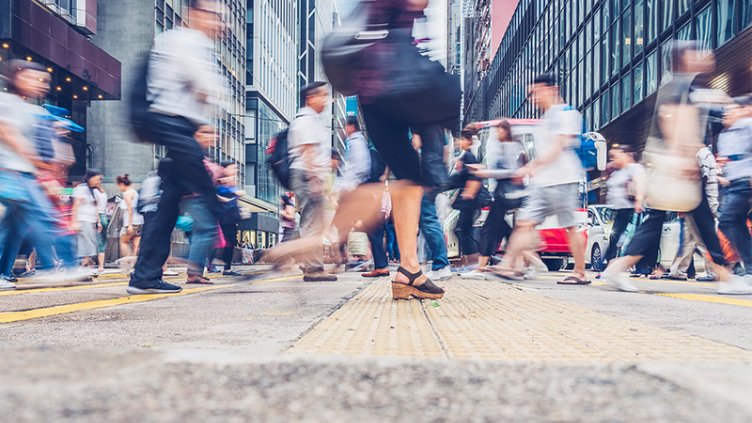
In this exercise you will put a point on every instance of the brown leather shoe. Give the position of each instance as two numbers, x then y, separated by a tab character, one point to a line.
376	273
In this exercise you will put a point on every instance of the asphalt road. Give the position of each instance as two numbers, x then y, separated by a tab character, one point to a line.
87	354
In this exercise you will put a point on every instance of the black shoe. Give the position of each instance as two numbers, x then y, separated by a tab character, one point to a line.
231	273
426	290
319	277
159	287
707	278
10	278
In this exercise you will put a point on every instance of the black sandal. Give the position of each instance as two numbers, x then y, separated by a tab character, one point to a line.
427	290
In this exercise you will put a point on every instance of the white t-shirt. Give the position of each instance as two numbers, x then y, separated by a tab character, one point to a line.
566	168
618	186
138	219
309	129
101	201
88	211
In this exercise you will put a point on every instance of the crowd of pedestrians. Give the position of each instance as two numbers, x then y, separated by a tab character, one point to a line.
386	182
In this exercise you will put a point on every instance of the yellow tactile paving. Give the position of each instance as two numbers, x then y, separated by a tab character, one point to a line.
490	320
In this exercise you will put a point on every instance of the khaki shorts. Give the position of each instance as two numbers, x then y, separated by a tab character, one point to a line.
558	200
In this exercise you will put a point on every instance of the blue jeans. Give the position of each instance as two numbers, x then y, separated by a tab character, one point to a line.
735	204
203	235
33	214
9	250
429	225
376	237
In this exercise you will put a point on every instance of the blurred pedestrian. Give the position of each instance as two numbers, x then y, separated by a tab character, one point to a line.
287	217
104	223
86	216
310	150
467	201
625	194
20	193
675	138
185	88
555	175
227	189
133	221
510	156
735	151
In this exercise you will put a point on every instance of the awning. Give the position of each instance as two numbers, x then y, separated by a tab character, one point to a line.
254	205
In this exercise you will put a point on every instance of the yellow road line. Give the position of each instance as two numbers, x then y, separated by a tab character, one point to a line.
37	313
717	299
9	317
21	290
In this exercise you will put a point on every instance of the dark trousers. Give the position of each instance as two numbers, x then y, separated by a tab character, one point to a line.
376	237
185	174
736	202
494	229
465	231
622	219
230	232
648	234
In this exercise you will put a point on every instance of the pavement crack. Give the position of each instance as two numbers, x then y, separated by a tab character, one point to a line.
434	330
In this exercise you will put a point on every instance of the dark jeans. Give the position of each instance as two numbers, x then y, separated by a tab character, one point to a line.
376	237
465	231
185	174
10	249
736	201
494	229
648	234
622	218
230	231
434	234
392	247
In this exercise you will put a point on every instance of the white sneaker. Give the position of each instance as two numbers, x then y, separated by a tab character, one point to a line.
6	285
170	273
440	275
619	281
77	274
738	285
474	274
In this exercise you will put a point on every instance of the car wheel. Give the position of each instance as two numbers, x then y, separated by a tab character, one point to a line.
596	258
554	264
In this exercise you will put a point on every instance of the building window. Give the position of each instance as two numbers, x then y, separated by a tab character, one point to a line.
683	7
626	92
703	27
637	75
685	32
615	101
639	26
668	14
596	113
626	26
615	59
725	20
651	73
605	58
746	13
652	22
596	68
606	108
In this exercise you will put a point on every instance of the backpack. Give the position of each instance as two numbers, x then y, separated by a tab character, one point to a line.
138	102
278	158
377	164
585	150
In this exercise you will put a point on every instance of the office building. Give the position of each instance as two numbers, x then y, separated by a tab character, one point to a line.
611	56
56	34
127	29
271	101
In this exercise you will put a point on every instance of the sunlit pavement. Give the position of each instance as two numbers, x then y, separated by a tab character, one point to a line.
279	349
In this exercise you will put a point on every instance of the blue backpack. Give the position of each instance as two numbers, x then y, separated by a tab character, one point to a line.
585	150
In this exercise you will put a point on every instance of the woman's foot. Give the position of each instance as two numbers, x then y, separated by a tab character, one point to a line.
198	280
407	284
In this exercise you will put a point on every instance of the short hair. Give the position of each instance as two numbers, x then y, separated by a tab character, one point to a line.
352	120
14	67
310	89
467	134
678	49
548	79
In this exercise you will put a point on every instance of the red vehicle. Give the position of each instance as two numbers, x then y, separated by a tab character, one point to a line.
554	248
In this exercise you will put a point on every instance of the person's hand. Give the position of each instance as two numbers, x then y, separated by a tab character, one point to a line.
723	181
466	196
99	227
476	167
130	230
523	172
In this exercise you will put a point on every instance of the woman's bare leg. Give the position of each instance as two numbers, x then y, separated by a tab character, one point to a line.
406	199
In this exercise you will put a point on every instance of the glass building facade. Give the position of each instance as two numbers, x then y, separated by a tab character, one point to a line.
609	55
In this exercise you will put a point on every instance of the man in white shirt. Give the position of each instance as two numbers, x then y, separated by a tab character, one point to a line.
555	175
310	148
184	88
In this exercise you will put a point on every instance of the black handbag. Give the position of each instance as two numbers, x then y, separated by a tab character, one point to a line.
343	49
509	195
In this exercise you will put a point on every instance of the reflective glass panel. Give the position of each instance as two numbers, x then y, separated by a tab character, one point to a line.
597	67
683	6
746	13
652	21
626	26
725	20
637	83
668	13
614	61
651	73
703	27
626	92
615	103
605	107
684	33
639	26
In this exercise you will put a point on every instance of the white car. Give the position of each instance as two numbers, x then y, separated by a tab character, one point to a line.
600	222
